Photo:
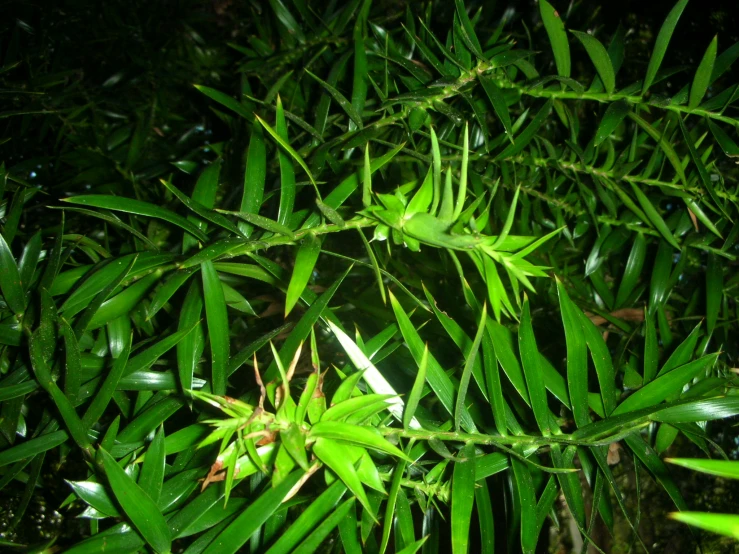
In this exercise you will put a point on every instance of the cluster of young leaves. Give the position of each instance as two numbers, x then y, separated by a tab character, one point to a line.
443	146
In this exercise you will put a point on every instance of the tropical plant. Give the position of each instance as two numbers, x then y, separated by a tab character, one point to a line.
428	281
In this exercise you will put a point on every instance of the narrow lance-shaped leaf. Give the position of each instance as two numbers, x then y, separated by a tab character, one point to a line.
462	194
528	134
499	104
463	498
665	385
415	396
100	402
390	505
557	37
701	167
138	207
305	261
464	381
436	162
724	524
152	470
721	468
654	217
702	77
238	532
254	177
468	32
218	328
225	100
140	509
10	279
527	505
612	118
341	100
439	381
532	369
367	179
577	362
663	40
600	58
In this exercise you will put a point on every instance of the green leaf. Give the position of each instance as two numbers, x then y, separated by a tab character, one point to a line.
29	260
168	289
684	351
577	358
468	32
726	143
714	290
439	382
524	487
263	222
303	328
137	207
654	217
331	453
95	495
660	46
702	171
312	516
364	436
498	102
633	269
657	468
665	385
240	530
724	524
463	498
484	515
32	447
305	261
462	193
255	176
664	145
600	58
415	396
532	369
138	506
602	361
287	172
493	382
225	100
10	279
464	381
201	210
190	348
151	418
698	410
557	37
528	134
702	77
341	100
720	468
103	395
390	505
311	544
152	470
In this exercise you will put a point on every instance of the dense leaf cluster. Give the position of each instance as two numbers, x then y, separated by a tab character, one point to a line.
444	263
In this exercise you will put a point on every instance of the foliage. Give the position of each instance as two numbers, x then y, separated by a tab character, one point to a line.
431	277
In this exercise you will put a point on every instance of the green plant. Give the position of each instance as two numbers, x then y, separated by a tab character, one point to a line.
348	335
